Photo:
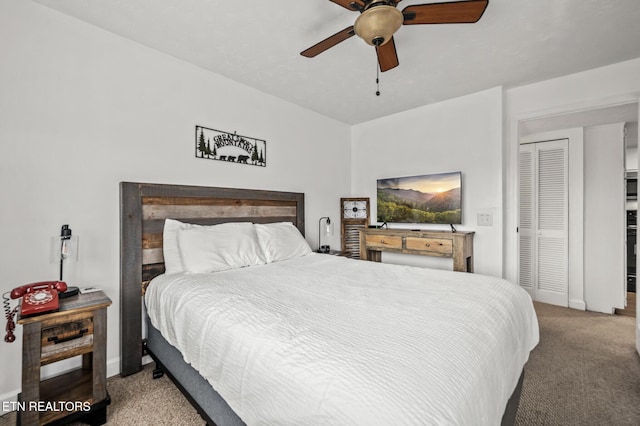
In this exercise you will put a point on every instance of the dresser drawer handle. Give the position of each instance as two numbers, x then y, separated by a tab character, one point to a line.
56	339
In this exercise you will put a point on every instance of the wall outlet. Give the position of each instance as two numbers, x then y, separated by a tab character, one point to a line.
485	219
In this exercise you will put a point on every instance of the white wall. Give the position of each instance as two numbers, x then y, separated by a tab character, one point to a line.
604	218
606	86
463	134
631	158
82	109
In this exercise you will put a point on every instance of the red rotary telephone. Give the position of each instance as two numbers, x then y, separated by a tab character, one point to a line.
37	298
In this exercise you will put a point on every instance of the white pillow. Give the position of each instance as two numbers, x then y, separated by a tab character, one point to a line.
281	241
219	247
170	250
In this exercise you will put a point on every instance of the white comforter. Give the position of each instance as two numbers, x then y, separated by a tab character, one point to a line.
324	340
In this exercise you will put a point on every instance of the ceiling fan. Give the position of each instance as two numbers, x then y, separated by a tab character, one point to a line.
379	20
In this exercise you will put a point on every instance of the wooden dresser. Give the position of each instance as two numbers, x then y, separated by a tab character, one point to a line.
456	245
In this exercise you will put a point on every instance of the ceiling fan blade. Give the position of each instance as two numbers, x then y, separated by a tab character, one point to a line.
387	55
347	4
457	12
329	42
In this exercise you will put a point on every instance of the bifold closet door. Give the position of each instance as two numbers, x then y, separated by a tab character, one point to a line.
543	221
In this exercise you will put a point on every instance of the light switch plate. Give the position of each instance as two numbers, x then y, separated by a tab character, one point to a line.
485	219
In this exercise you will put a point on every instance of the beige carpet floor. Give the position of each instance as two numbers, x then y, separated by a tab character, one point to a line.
585	371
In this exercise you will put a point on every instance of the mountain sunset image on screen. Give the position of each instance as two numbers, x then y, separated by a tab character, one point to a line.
433	198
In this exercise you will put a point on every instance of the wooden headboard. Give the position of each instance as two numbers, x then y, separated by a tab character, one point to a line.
143	209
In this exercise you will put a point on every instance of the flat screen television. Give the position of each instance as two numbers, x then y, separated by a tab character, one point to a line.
433	198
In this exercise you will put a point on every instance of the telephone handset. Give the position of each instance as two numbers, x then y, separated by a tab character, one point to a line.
37	298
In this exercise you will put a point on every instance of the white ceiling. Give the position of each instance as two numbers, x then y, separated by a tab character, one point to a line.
257	42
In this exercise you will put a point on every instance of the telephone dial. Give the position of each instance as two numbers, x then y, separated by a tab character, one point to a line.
37	298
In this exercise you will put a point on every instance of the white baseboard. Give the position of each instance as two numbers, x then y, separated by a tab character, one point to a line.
7	401
113	367
577	304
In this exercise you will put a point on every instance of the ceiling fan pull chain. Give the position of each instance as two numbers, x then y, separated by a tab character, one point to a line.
377	78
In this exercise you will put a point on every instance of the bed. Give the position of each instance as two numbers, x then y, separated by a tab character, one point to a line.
330	340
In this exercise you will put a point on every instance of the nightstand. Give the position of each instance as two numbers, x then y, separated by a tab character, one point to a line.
78	328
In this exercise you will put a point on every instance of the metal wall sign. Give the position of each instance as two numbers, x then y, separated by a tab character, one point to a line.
212	144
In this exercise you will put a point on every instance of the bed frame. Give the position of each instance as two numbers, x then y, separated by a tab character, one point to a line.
143	209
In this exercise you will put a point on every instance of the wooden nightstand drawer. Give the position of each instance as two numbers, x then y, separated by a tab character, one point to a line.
386	241
433	245
63	340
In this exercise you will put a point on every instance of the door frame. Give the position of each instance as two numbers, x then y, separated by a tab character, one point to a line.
512	130
576	209
519	114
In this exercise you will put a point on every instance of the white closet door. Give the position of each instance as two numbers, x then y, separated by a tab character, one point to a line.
552	222
543	230
526	226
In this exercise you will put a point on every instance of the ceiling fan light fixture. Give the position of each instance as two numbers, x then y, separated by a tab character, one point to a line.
377	25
